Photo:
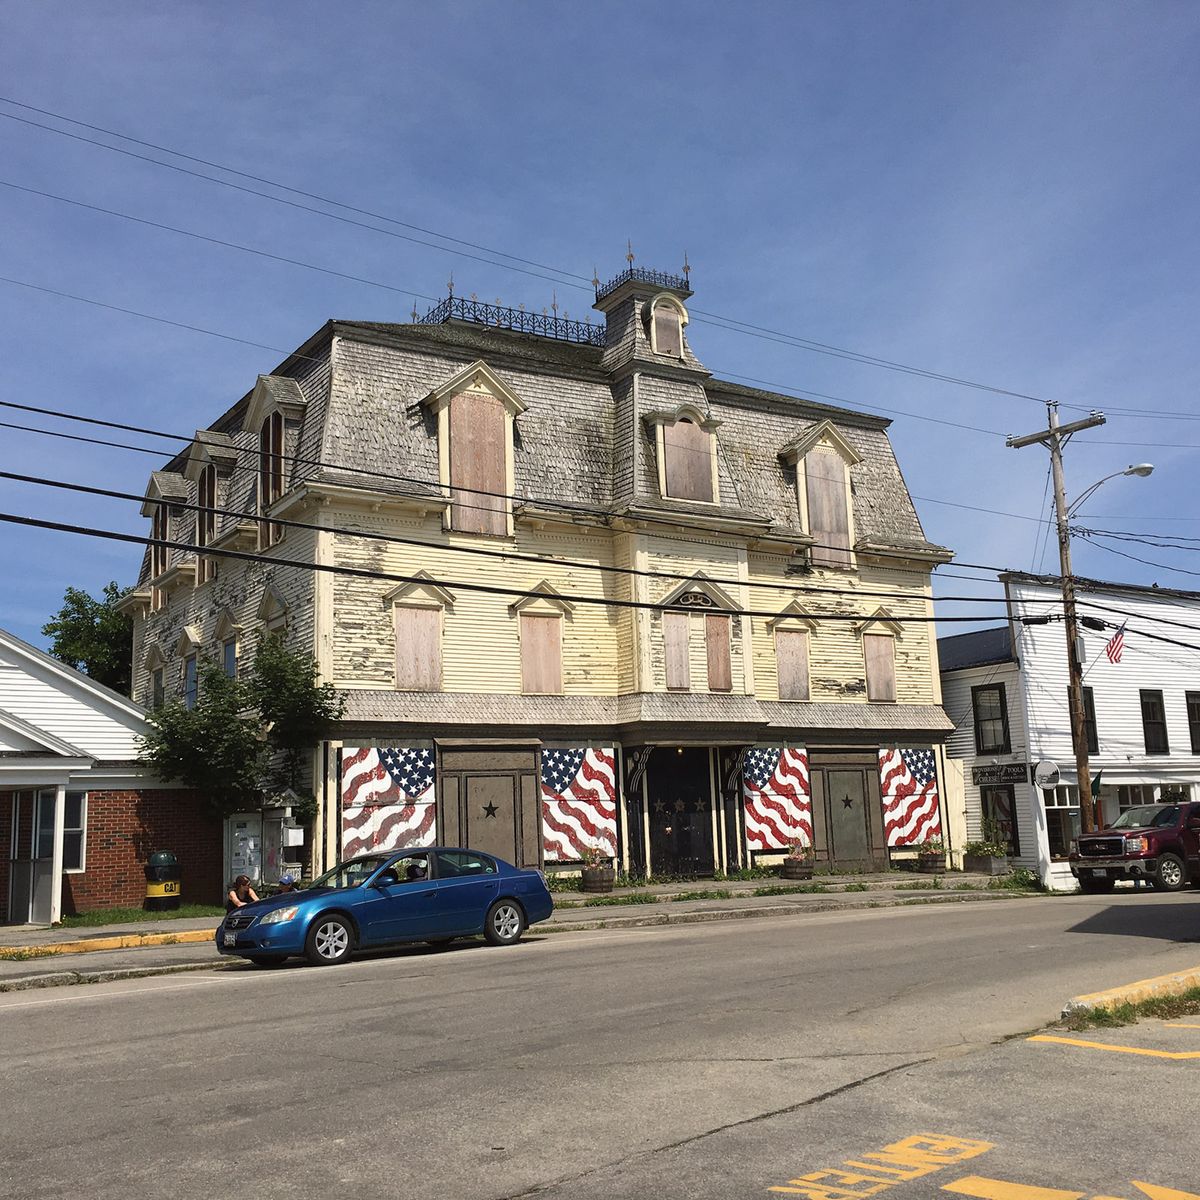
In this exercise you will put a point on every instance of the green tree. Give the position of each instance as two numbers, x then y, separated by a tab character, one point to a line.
217	747
92	636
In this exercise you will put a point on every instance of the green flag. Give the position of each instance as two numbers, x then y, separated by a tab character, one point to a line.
1096	786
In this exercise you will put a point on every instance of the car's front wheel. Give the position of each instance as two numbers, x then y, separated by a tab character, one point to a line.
329	941
1171	874
504	924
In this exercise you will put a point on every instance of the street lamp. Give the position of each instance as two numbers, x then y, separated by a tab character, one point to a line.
1054	438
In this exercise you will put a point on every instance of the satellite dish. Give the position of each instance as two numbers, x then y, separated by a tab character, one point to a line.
1046	774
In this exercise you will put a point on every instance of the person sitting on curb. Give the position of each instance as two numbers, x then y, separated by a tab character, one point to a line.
240	894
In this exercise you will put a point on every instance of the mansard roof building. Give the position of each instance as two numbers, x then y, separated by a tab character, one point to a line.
577	591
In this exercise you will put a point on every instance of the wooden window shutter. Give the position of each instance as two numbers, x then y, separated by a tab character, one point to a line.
791	657
478	443
541	654
879	651
688	468
828	520
418	649
720	665
668	333
676	630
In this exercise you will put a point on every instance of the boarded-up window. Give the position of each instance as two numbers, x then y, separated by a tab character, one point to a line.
716	640
688	465
879	650
478	439
676	627
791	658
541	654
668	331
828	519
418	649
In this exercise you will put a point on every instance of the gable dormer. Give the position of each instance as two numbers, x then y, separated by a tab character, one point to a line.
276	406
211	459
476	414
823	457
686	452
165	496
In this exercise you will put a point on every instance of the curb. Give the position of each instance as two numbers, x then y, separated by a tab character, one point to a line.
1133	993
71	978
123	941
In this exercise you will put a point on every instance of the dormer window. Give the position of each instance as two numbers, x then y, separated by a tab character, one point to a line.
667	319
270	474
160	531
275	404
823	458
206	522
687	455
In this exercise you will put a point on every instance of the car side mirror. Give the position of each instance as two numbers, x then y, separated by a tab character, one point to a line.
386	879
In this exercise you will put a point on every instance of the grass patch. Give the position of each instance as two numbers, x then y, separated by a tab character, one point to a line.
25	953
856	887
921	885
125	916
968	887
636	898
790	889
744	874
705	894
1019	880
1162	1008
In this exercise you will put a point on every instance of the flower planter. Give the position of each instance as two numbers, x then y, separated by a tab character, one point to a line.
598	879
796	868
931	864
986	864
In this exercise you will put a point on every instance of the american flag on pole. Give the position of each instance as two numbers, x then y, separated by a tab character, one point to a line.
908	784
1116	644
777	797
579	802
388	798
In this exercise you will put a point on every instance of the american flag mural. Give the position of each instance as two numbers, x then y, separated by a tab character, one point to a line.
777	797
579	802
388	799
908	784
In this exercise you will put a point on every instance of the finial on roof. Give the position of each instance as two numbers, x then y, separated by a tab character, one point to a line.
450	283
474	298
629	256
413	314
497	301
687	268
554	301
595	277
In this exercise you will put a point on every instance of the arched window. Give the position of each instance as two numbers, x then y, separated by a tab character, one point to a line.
667	319
270	473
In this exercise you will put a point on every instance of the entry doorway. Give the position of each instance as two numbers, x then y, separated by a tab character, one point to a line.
31	858
848	813
679	792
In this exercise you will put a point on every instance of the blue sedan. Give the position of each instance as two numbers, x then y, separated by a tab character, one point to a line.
432	894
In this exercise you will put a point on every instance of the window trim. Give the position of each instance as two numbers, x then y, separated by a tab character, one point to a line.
893	699
397	609
558	619
694	416
158	688
1150	693
1191	698
81	829
1091	730
807	635
206	522
191	661
666	300
226	643
272	476
980	748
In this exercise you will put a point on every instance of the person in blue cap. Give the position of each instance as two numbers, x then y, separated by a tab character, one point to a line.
286	884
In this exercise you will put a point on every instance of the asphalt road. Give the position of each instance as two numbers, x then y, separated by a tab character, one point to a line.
702	1061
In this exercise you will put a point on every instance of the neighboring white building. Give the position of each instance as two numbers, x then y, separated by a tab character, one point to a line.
1006	691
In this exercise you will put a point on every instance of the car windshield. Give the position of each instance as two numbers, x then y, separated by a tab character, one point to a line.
351	874
1149	817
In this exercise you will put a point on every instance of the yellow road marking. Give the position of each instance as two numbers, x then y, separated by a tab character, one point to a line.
1161	1193
1000	1189
1175	1054
1181	1026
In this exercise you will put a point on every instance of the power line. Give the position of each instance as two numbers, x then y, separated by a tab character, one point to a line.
460	585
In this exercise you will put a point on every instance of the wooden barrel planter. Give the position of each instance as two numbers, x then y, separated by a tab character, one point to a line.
796	868
598	879
931	864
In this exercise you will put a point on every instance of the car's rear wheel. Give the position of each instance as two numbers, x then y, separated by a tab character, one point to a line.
1171	874
504	924
265	960
329	941
1096	887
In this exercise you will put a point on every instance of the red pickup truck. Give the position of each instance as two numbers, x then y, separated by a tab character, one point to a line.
1156	842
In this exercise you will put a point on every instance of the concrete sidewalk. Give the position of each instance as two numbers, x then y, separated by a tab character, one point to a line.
39	957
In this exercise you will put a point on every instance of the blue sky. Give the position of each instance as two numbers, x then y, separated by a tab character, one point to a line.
1003	193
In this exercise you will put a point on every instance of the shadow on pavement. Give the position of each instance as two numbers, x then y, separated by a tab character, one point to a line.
1167	920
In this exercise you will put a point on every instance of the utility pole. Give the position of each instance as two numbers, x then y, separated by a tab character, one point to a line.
1054	439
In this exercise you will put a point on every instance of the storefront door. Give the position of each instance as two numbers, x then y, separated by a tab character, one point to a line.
846	803
679	788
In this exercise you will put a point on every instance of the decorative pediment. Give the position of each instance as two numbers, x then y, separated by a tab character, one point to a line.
227	627
880	621
700	593
685	412
210	448
170	486
155	659
272	608
792	617
824	432
189	641
543	597
274	393
478	377
422	591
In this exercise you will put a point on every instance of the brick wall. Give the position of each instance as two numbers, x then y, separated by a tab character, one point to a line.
125	828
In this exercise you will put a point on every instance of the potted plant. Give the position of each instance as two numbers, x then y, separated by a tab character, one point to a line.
798	862
931	856
989	855
598	872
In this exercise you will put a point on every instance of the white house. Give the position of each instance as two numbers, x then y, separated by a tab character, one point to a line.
1006	691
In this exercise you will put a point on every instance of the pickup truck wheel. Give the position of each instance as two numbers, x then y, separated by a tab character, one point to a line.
1171	874
1096	887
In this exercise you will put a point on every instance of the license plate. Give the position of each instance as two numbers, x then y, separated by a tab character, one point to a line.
231	939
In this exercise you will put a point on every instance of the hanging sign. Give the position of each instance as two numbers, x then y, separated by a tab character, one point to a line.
1000	773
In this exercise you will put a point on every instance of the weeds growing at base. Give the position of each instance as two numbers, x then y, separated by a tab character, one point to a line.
1162	1008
